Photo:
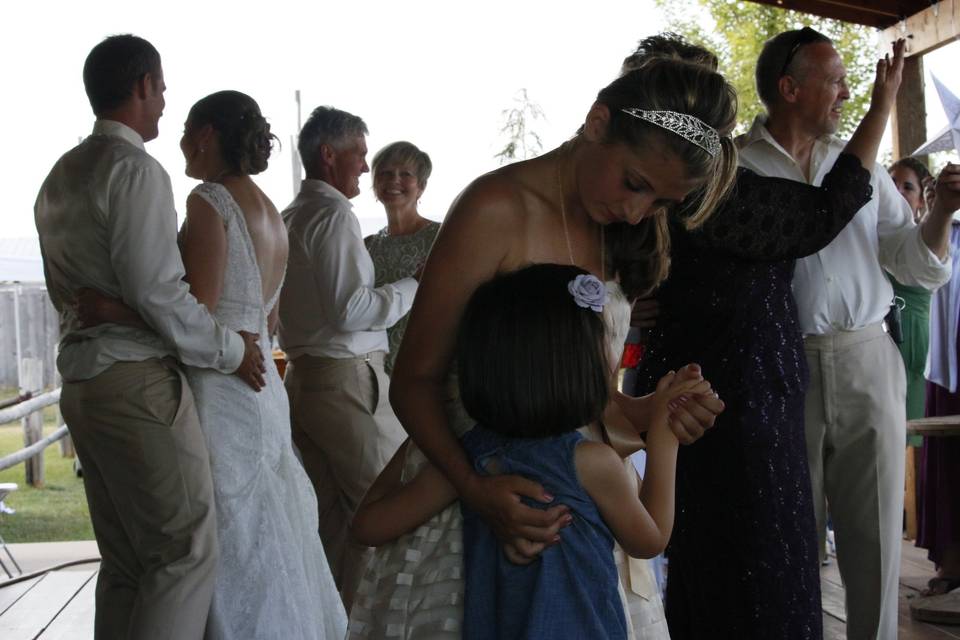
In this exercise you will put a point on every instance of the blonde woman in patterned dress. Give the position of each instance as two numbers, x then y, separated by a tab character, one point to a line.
400	172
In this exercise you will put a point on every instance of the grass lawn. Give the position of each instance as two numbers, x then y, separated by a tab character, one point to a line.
55	512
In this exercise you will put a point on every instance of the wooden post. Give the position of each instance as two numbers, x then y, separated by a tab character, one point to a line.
31	379
16	329
910	114
910	494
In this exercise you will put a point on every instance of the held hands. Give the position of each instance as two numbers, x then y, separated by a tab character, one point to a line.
889	73
524	531
251	369
692	404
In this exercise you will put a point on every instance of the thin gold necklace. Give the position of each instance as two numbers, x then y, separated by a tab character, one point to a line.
563	219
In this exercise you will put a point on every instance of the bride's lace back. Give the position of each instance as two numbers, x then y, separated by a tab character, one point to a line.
241	306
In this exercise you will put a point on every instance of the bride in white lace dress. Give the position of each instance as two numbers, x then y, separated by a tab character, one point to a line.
273	580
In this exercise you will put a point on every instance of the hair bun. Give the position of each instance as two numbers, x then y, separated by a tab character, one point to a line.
245	138
256	143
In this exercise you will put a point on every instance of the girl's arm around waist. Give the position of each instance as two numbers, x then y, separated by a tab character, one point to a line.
391	508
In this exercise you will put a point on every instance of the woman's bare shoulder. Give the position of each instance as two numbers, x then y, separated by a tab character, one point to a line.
501	197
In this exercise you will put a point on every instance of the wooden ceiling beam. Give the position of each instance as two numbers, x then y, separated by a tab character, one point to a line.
876	13
928	29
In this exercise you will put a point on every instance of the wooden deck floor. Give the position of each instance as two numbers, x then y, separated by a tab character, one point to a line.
59	604
55	606
915	571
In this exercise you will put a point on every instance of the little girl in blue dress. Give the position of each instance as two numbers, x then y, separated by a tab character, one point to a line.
534	366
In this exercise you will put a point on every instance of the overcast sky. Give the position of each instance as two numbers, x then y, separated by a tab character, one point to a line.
436	73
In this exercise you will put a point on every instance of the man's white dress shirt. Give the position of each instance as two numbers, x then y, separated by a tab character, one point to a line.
329	306
843	287
106	221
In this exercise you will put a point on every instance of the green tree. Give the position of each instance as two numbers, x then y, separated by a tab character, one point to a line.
522	141
736	31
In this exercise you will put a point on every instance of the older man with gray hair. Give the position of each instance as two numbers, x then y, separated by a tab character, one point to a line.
333	324
855	416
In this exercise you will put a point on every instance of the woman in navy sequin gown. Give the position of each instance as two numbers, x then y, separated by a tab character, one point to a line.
743	558
743	555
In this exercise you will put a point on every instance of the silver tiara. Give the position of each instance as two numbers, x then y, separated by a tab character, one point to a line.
688	127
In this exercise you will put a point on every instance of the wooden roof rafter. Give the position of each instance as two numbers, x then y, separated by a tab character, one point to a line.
927	24
880	14
929	29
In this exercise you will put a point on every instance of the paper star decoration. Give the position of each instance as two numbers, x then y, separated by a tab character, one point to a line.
949	138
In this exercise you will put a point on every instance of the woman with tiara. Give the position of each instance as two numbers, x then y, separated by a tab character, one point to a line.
617	177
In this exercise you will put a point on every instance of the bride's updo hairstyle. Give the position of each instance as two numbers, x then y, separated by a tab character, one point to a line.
531	361
640	254
243	132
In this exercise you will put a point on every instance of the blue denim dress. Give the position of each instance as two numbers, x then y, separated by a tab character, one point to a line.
571	591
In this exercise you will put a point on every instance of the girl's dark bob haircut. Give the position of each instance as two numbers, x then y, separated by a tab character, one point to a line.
532	363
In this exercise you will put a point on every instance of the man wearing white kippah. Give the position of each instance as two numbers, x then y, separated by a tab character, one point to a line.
855	416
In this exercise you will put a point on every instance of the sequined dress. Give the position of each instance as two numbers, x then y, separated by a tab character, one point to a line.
743	559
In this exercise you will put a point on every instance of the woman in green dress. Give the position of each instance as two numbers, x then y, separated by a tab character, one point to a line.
911	176
400	171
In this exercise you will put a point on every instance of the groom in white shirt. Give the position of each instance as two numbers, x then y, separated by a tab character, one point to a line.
333	324
106	221
855	406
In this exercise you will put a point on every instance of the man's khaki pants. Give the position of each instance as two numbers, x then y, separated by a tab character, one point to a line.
855	429
147	478
346	433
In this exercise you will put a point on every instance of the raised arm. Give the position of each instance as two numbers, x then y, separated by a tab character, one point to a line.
866	139
469	250
772	219
640	523
935	228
